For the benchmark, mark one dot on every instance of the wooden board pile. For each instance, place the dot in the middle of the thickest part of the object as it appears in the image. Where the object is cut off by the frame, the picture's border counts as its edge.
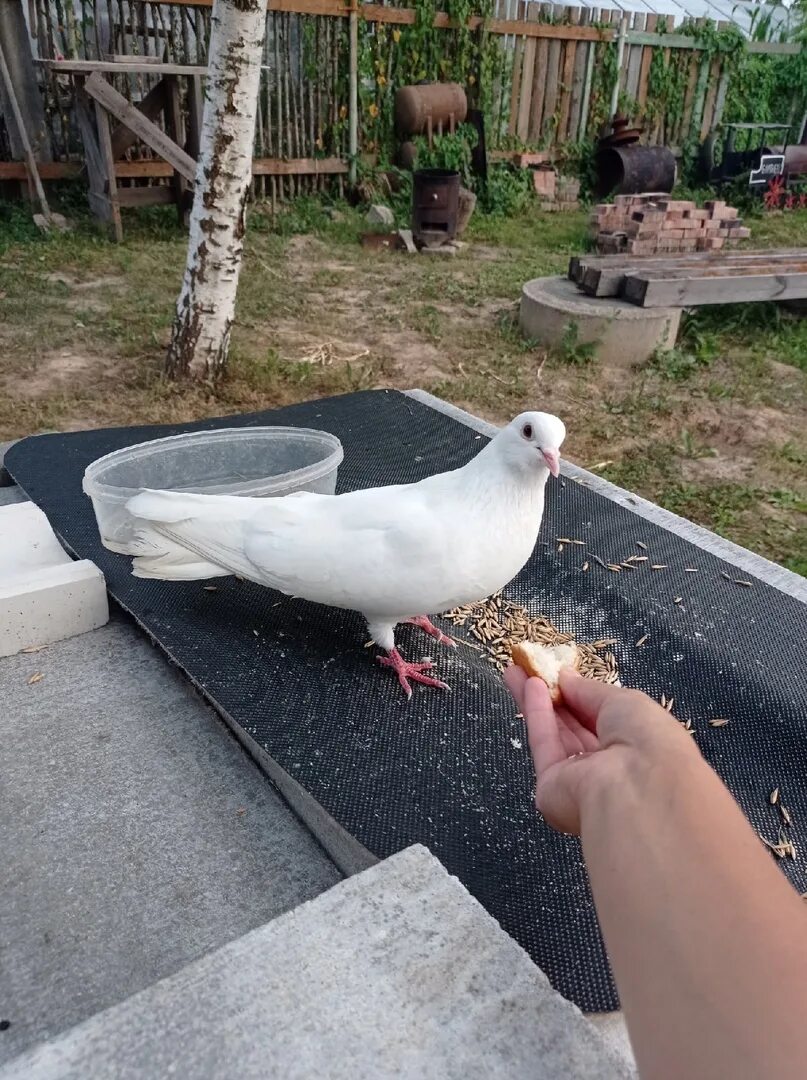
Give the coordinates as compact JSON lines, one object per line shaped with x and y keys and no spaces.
{"x":692,"y":280}
{"x":654,"y":223}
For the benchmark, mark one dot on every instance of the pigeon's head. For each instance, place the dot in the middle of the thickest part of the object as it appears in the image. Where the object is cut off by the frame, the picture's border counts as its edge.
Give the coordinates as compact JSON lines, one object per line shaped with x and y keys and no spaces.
{"x":534,"y":439}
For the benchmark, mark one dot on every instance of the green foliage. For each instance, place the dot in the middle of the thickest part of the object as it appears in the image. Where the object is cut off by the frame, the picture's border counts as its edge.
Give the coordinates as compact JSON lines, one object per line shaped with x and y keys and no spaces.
{"x":449,"y":151}
{"x":393,"y":56}
{"x":508,"y":191}
{"x":571,"y":350}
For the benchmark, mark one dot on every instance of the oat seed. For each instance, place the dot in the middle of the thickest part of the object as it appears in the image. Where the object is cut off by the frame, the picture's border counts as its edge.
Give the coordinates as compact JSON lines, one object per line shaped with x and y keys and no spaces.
{"x":642,"y":640}
{"x":719,"y":721}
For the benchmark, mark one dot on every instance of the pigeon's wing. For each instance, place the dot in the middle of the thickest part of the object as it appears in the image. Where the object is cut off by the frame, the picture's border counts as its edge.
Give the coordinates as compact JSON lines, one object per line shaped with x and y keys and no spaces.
{"x":366,"y":550}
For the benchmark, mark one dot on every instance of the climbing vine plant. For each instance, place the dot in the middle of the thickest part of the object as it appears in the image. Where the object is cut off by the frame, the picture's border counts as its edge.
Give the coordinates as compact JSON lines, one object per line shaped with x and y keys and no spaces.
{"x":394,"y":56}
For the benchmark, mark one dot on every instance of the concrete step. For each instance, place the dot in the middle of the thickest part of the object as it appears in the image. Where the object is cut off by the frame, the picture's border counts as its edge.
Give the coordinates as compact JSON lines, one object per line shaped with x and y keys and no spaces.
{"x":396,"y":972}
{"x":137,"y":834}
{"x":44,"y":595}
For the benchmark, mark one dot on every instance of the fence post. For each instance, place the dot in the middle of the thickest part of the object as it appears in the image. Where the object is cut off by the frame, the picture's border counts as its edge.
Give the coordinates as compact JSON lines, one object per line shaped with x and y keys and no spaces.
{"x":620,"y":55}
{"x":353,"y":101}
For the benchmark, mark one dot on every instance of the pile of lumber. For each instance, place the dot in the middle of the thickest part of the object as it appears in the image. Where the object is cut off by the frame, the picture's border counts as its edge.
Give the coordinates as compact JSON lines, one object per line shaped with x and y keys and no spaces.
{"x":696,"y":279}
{"x":655,"y":223}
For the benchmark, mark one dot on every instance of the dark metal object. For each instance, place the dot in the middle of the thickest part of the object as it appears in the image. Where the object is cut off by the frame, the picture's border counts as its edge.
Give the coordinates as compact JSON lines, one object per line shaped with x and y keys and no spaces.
{"x":435,"y":204}
{"x":479,"y":154}
{"x":734,"y":151}
{"x":628,"y":170}
{"x":621,"y":134}
{"x":795,"y":160}
{"x":422,"y":110}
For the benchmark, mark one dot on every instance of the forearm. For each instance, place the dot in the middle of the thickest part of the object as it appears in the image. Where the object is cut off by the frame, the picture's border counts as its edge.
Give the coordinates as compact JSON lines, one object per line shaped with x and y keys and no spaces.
{"x":707,"y":940}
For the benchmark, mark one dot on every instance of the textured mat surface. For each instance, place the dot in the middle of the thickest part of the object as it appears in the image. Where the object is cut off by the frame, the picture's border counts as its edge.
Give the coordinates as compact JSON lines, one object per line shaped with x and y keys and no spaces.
{"x":451,"y":770}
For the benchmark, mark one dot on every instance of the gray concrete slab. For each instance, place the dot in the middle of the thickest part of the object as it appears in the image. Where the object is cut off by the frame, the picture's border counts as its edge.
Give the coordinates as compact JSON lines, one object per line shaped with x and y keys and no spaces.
{"x":396,"y":972}
{"x":137,"y":835}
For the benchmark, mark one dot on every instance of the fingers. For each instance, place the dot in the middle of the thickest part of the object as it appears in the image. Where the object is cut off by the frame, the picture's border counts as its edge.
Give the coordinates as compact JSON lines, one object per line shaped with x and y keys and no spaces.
{"x":585,"y":697}
{"x":546,"y":744}
{"x":514,"y":679}
{"x":587,"y":739}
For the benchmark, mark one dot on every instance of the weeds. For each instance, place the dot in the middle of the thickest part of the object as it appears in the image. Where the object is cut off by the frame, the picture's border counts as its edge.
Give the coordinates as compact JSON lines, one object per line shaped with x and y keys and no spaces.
{"x":571,"y":350}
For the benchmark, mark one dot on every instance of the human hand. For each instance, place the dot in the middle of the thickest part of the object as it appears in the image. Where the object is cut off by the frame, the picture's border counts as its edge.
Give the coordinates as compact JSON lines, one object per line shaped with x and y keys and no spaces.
{"x":592,"y":738}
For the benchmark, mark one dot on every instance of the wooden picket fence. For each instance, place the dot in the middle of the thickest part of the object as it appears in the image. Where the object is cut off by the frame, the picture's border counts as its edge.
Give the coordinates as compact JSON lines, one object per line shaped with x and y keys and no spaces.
{"x":552,"y":96}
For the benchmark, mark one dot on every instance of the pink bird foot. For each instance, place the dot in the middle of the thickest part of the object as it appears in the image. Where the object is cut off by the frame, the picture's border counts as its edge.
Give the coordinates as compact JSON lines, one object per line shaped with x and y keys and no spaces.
{"x":406,"y":671}
{"x":428,"y":627}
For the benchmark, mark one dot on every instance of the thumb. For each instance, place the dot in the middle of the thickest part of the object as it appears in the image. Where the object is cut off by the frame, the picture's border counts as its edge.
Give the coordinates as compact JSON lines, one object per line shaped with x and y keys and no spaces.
{"x":584,"y":697}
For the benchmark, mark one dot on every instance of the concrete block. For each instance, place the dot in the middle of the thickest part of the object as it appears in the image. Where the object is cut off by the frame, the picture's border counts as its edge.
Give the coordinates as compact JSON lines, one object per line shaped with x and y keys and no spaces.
{"x":624,"y":334}
{"x":396,"y":972}
{"x":44,"y":595}
{"x":380,"y":215}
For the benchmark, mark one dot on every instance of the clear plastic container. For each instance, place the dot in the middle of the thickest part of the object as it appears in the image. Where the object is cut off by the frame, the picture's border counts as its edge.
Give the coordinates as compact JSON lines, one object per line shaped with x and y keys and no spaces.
{"x":260,"y":462}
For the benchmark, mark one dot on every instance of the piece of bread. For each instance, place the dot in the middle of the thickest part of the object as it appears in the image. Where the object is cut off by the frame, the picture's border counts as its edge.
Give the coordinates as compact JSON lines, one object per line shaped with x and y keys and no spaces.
{"x":545,"y":662}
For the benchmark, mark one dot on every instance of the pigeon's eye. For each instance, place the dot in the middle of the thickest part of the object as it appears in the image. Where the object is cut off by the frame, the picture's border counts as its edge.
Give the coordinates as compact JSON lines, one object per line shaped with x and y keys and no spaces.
{"x":526,"y":431}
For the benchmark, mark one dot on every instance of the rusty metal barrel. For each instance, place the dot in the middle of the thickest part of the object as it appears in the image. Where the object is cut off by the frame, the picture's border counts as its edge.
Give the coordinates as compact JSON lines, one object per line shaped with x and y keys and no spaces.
{"x":629,"y":170}
{"x":435,"y":204}
{"x":437,"y":103}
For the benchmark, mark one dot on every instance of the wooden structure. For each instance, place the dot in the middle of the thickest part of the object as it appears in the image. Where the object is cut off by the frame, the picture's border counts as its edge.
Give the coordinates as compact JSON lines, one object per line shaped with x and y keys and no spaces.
{"x":695,"y":280}
{"x":315,"y":117}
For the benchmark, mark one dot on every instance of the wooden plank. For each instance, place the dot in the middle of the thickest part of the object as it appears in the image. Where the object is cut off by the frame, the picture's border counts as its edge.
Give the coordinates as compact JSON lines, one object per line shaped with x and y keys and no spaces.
{"x":644,"y":67}
{"x":154,"y":195}
{"x":48,"y":170}
{"x":720,"y":100}
{"x":105,"y":145}
{"x":151,"y":106}
{"x":404,"y":16}
{"x":588,"y":77}
{"x":634,"y":62}
{"x":682,"y":129}
{"x":567,"y":78}
{"x":68,"y":170}
{"x":552,"y":83}
{"x":515,"y":79}
{"x":700,"y":97}
{"x":527,"y":78}
{"x":602,"y":281}
{"x":93,"y":158}
{"x":116,"y":104}
{"x":709,"y":102}
{"x":89,"y":67}
{"x":299,"y":167}
{"x":195,"y":112}
{"x":578,"y":77}
{"x":700,"y":290}
{"x":539,"y":82}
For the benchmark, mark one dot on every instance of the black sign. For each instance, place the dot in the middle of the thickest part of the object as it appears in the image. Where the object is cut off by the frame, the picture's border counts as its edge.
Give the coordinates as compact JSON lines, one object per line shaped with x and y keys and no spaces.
{"x":770,"y":165}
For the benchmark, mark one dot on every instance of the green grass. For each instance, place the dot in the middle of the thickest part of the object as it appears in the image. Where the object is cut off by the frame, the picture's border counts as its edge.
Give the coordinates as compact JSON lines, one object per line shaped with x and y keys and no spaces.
{"x":713,"y":430}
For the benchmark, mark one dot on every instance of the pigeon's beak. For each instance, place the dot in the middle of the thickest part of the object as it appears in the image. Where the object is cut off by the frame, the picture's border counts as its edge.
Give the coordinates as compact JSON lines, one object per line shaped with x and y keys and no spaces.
{"x":552,"y":459}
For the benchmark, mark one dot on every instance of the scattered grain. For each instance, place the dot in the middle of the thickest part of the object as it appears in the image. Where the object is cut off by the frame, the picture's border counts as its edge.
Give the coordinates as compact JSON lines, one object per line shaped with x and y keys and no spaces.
{"x":773,"y":798}
{"x":690,"y":569}
{"x":639,"y":544}
{"x":786,"y":815}
{"x":745,"y":584}
{"x":719,"y":721}
{"x":658,"y":566}
{"x":597,"y":559}
{"x":616,"y":569}
{"x":35,"y":678}
{"x":33,"y":649}
{"x":210,"y":588}
{"x":642,"y":640}
{"x":585,"y":567}
{"x":677,"y":599}
{"x":560,"y":548}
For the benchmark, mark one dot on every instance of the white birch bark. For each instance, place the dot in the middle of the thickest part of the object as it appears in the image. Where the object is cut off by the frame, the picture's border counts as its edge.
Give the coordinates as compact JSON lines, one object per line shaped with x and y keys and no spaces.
{"x":206,"y":304}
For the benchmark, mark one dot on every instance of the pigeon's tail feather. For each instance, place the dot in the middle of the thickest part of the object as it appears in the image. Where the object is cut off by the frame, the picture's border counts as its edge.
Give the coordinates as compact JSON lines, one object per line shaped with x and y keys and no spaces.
{"x":184,"y":537}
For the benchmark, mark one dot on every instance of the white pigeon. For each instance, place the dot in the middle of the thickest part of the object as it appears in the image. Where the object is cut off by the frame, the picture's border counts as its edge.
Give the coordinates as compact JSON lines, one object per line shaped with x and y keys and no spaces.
{"x":392,"y":553}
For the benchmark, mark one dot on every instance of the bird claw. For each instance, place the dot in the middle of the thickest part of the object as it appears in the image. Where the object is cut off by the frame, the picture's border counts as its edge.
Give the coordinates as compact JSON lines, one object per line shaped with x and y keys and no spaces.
{"x":406,"y":671}
{"x":427,"y":626}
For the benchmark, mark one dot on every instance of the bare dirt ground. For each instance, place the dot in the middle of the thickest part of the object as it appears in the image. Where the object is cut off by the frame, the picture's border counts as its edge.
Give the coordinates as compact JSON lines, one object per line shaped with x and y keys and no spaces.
{"x":715,"y":431}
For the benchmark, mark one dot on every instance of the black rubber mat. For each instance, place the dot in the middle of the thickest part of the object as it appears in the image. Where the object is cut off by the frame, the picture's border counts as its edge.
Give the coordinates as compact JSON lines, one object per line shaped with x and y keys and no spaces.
{"x":451,"y":770}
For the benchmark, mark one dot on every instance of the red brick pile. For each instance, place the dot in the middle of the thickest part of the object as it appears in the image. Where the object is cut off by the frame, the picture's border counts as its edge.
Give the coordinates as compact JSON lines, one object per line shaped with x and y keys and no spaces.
{"x":654,"y":223}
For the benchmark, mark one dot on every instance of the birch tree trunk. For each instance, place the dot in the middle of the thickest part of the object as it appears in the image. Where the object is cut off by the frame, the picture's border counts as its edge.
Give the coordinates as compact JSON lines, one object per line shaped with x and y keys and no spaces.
{"x":201,"y":333}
